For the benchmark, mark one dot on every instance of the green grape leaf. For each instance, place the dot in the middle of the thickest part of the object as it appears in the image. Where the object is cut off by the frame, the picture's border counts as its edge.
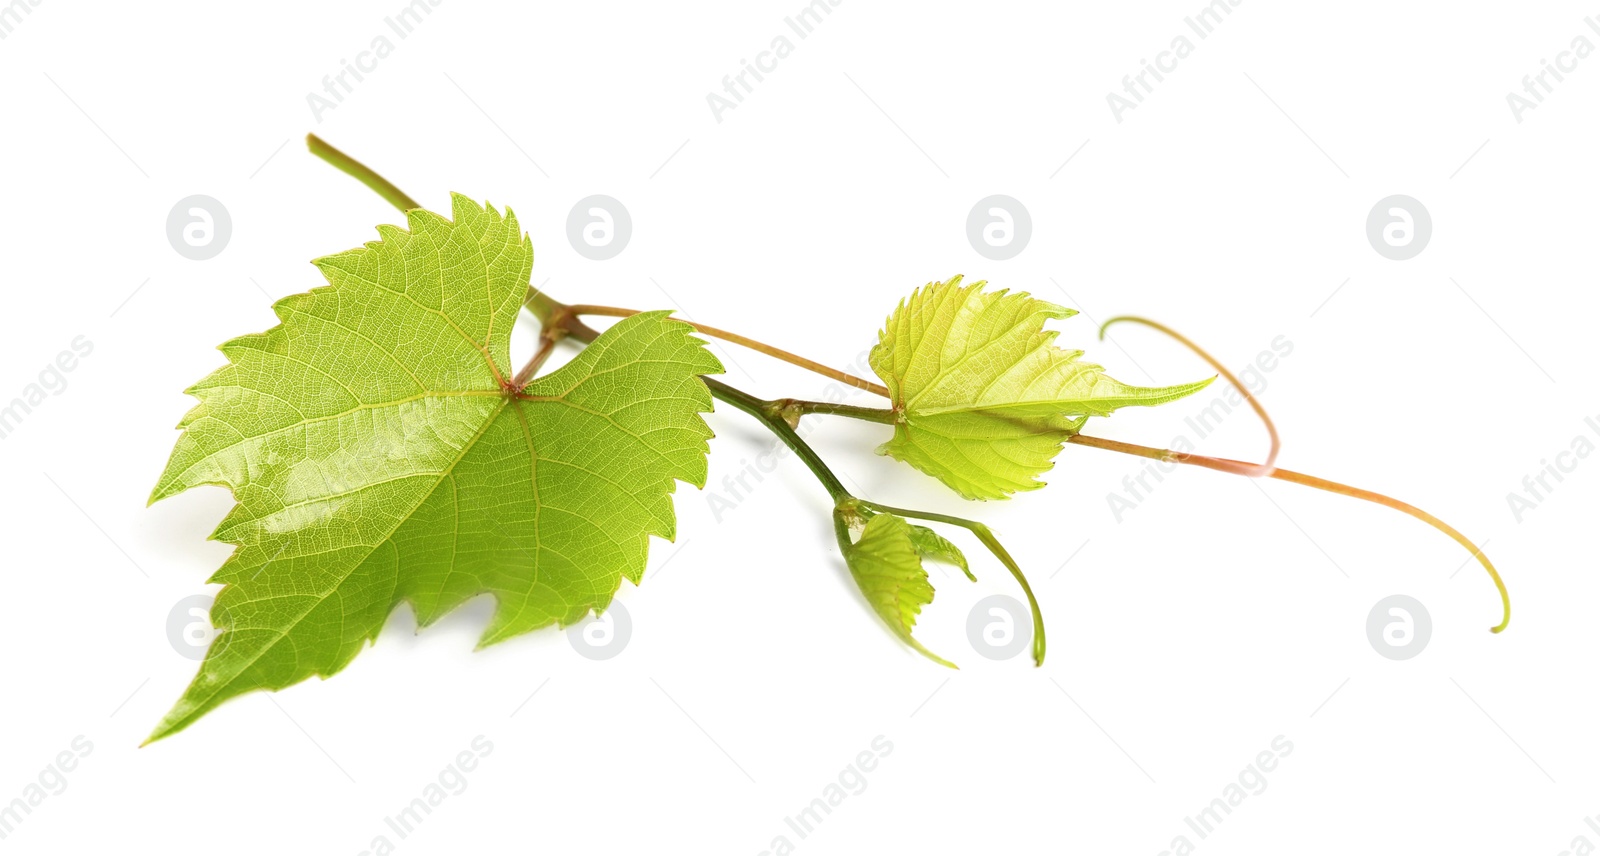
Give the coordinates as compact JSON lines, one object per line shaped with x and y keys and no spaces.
{"x":983,"y":399}
{"x":932,"y":545}
{"x":887,"y":566}
{"x":379,"y":453}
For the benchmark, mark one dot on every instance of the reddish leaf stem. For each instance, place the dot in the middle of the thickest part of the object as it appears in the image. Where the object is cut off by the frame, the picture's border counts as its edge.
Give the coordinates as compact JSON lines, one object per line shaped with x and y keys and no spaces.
{"x":752,"y":344}
{"x":1231,"y":466}
{"x":1250,"y":470}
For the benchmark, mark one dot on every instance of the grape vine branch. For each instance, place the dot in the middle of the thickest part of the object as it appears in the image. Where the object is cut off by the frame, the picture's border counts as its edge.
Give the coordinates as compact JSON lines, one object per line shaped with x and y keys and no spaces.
{"x":780,"y":416}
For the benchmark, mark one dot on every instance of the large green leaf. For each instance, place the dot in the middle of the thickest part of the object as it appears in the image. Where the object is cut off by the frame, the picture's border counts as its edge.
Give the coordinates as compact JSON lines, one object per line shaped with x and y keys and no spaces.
{"x":379,"y":452}
{"x":982,"y":397}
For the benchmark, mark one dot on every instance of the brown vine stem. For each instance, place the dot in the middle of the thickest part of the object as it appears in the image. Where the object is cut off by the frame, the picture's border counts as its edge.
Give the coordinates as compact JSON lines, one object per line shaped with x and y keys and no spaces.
{"x":547,"y":346}
{"x":1227,"y":465}
{"x":1268,"y":470}
{"x":1254,"y":471}
{"x":546,"y":308}
{"x":752,"y":344}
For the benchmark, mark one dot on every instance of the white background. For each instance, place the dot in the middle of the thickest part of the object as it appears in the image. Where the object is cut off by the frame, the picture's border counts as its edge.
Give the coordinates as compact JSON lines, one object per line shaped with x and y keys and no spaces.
{"x":1216,"y":616}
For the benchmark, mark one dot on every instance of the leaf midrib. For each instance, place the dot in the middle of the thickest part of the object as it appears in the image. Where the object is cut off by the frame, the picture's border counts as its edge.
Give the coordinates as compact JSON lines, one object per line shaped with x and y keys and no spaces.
{"x":323,"y":596}
{"x":163,"y":488}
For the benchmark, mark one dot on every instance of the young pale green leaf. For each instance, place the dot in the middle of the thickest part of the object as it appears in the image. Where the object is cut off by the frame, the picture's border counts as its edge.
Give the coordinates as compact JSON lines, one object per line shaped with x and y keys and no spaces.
{"x":379,"y":453}
{"x":932,"y":545}
{"x":982,"y":397}
{"x":886,"y":562}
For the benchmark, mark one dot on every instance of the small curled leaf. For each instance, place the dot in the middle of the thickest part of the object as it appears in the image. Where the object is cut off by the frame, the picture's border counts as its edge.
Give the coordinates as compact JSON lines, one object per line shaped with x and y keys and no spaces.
{"x":932,"y":545}
{"x":886,"y":563}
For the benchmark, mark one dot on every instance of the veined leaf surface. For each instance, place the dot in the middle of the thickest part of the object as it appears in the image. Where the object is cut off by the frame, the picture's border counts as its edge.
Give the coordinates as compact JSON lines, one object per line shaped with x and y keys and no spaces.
{"x":379,"y":452}
{"x":983,"y":399}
